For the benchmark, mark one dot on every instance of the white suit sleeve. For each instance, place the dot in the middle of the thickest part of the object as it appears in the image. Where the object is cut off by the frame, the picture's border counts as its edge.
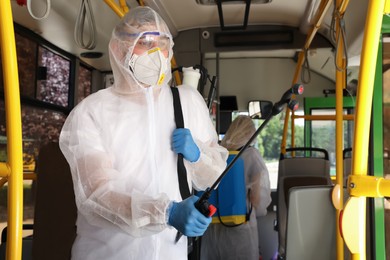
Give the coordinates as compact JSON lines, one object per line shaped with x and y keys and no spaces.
{"x":99,"y":188}
{"x":212,"y":160}
{"x":257,"y":180}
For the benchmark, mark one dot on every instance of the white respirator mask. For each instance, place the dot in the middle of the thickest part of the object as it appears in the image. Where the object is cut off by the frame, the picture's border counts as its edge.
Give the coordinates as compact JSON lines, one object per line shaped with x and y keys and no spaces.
{"x":149,"y":68}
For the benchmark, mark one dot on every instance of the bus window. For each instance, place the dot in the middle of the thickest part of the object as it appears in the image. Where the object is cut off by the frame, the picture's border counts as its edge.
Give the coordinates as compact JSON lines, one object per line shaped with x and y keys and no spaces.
{"x":44,"y":81}
{"x":53,"y":86}
{"x":39,"y":126}
{"x":27,"y":56}
{"x":320,"y":132}
{"x":84,"y":86}
{"x":322,"y":135}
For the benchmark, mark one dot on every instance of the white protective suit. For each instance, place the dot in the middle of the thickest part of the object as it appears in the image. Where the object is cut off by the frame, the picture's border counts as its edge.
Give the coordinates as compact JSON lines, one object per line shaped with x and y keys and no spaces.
{"x":241,"y":242}
{"x":118,"y":145}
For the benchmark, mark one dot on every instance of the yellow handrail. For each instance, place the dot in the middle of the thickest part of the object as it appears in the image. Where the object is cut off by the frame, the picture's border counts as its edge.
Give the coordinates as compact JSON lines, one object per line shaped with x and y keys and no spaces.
{"x":354,"y":216}
{"x":26,"y":176}
{"x":323,"y":117}
{"x":123,"y":6}
{"x":341,"y":62}
{"x":323,"y":8}
{"x":119,"y":10}
{"x":176,"y":73}
{"x":14,"y":133}
{"x":339,"y":117}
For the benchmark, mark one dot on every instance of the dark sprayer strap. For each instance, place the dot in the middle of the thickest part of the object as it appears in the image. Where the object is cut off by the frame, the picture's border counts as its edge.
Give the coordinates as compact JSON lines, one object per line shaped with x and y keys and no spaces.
{"x":181,"y":169}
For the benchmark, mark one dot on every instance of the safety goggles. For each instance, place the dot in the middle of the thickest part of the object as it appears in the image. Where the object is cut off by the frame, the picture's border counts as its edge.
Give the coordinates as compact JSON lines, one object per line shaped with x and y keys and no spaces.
{"x":149,"y":40}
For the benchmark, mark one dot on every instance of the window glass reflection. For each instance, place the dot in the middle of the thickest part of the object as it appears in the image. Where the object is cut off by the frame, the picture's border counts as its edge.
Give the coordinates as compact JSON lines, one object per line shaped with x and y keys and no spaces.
{"x":39,"y":126}
{"x":26,"y":55}
{"x":54,"y":87}
{"x":84,"y":83}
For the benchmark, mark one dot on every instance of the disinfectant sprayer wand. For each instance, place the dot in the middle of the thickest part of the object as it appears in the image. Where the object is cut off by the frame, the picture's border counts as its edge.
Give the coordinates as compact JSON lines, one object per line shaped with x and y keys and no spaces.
{"x":203,"y":204}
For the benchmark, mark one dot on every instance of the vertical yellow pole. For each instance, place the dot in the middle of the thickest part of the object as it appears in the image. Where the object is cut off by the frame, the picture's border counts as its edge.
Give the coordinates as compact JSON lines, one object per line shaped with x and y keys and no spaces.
{"x":323,"y":8}
{"x":176,"y":73}
{"x":340,"y":85}
{"x":301,"y":59}
{"x":363,"y":117}
{"x":366,"y":84}
{"x":14,"y":133}
{"x":292,"y":127}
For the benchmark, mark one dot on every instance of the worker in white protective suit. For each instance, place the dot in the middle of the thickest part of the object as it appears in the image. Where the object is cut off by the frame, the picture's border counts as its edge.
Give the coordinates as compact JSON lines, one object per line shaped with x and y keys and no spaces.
{"x":241,"y":242}
{"x":122,"y":144}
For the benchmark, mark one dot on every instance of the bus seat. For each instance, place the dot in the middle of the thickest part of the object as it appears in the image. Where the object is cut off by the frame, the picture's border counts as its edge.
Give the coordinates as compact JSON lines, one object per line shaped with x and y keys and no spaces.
{"x":310,"y":168}
{"x":26,"y":243}
{"x":55,"y":208}
{"x":311,"y":232}
{"x":347,"y":159}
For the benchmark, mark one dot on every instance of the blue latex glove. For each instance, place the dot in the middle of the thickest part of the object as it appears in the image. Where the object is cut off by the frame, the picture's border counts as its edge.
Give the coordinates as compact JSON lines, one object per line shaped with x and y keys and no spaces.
{"x":183,"y":143}
{"x":187,"y":219}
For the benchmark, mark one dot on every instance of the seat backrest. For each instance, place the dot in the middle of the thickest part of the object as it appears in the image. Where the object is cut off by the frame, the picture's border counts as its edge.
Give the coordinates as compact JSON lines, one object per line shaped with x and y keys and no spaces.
{"x":311,"y":221}
{"x":26,"y":243}
{"x":55,"y":208}
{"x":311,"y":168}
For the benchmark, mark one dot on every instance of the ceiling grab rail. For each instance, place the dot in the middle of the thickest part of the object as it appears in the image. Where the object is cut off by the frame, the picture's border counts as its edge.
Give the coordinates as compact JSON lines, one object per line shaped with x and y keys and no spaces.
{"x":85,"y":16}
{"x":44,"y":16}
{"x":13,"y":169}
{"x":353,"y":222}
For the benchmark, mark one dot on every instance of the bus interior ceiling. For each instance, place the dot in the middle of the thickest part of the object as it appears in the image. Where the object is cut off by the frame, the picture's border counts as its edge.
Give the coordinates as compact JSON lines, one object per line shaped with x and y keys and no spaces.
{"x":259,"y":69}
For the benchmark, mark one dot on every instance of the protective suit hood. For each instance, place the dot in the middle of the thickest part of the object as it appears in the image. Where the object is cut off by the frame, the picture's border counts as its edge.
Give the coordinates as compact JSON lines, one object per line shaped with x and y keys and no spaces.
{"x":239,"y":132}
{"x":123,"y":39}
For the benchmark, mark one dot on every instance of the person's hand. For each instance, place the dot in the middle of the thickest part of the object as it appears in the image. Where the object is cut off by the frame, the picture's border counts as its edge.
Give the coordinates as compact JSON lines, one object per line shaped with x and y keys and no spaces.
{"x":187,"y":219}
{"x":183,"y":143}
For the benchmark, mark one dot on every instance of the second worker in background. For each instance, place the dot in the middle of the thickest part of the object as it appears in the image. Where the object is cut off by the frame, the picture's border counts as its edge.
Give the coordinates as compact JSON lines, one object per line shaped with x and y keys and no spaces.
{"x":241,"y":242}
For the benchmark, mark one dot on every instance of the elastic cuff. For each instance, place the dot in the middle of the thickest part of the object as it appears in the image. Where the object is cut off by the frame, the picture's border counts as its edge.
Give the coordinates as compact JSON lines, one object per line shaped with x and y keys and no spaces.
{"x":168,"y":212}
